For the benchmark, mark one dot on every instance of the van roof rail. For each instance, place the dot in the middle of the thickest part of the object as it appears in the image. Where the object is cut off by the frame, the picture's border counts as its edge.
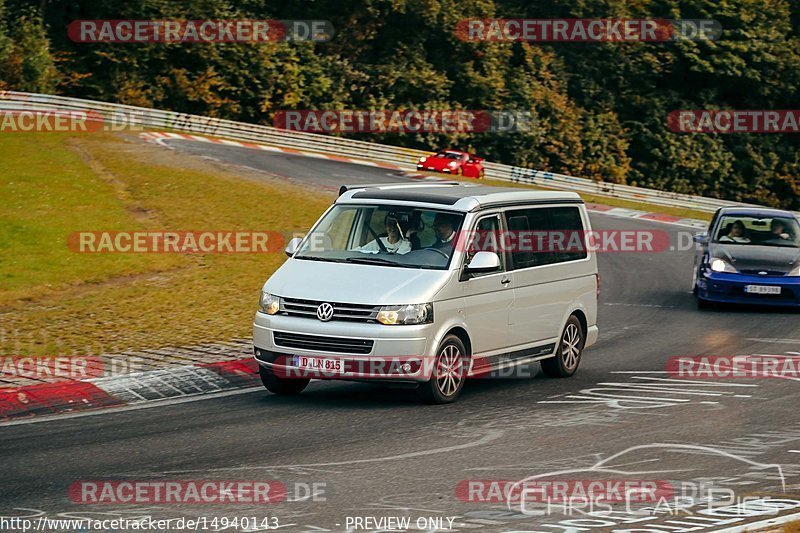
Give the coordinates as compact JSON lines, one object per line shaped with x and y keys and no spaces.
{"x":394,"y":185}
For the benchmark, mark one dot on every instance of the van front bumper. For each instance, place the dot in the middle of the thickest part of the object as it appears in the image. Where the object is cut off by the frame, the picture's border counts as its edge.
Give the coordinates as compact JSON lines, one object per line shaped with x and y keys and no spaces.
{"x":365,"y":351}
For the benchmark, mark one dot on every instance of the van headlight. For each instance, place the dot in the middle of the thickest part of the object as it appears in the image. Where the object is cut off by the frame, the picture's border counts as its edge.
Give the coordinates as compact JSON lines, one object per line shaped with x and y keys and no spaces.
{"x":269,"y":303}
{"x":795,"y":271}
{"x":720,"y":265}
{"x":405,"y":314}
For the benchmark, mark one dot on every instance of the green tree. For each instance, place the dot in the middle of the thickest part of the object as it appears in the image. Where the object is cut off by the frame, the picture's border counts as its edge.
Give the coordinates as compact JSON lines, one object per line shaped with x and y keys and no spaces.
{"x":26,"y":63}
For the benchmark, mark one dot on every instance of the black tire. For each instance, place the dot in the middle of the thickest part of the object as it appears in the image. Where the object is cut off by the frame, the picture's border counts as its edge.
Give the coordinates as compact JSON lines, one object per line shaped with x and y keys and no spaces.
{"x":568,"y":354}
{"x":282,"y":386}
{"x":704,"y":304}
{"x":447,"y":379}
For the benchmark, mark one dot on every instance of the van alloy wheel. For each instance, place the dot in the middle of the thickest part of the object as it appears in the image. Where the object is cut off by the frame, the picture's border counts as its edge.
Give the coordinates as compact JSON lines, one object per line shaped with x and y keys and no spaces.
{"x":568,"y":352}
{"x":448,"y":374}
{"x":449,"y":370}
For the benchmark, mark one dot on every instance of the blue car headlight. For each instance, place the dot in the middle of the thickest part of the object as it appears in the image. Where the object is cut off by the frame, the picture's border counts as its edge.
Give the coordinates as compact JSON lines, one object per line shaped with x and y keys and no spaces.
{"x":720,"y":265}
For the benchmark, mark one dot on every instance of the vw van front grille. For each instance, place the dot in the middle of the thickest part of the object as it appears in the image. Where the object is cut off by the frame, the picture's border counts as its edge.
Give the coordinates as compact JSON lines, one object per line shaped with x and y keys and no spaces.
{"x":321,"y":343}
{"x":341,"y":311}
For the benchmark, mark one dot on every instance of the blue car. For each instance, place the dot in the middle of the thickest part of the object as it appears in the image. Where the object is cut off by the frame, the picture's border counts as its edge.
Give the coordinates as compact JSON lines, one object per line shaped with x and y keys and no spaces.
{"x":749,"y":256}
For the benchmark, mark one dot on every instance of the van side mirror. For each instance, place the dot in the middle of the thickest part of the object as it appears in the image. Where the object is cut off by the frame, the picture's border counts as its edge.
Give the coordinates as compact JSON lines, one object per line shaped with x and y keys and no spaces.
{"x":292,"y":246}
{"x":701,"y":238}
{"x":483,"y":262}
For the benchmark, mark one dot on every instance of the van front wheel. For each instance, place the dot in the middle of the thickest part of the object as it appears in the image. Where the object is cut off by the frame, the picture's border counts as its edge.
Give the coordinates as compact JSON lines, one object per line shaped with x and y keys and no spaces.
{"x":568,"y":353}
{"x":282,"y":386}
{"x":449,"y":372}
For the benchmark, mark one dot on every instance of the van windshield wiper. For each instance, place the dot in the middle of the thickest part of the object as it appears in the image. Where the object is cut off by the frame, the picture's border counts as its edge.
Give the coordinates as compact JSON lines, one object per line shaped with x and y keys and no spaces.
{"x":316,"y":258}
{"x":372,"y":261}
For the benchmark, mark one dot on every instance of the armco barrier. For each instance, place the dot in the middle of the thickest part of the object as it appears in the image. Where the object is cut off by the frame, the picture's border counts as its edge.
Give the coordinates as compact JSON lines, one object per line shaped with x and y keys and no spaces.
{"x":332,"y":145}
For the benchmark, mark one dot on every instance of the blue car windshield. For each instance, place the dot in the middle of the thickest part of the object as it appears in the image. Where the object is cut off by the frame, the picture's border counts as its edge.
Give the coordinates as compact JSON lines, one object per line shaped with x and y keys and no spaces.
{"x":755,"y":231}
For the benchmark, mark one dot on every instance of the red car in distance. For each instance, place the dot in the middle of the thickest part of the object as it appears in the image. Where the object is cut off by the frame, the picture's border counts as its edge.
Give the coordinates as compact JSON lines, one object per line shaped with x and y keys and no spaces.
{"x":454,"y":162}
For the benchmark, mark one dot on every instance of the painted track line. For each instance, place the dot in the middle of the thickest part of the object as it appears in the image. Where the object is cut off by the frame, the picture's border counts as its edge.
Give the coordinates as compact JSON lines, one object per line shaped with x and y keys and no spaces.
{"x":761,"y":524}
{"x":133,"y":407}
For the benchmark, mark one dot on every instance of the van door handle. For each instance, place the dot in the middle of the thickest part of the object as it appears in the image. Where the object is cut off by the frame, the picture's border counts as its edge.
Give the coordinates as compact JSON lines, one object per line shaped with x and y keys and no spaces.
{"x":505,"y":281}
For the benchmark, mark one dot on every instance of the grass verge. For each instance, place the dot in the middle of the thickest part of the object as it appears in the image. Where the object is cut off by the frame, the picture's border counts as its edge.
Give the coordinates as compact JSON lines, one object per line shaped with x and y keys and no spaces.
{"x":57,"y":301}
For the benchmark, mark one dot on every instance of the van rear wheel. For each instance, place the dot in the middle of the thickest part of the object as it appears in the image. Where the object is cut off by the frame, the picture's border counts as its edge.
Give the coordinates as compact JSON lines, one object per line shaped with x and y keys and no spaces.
{"x":568,"y":353}
{"x":281,"y":386}
{"x":449,"y":372}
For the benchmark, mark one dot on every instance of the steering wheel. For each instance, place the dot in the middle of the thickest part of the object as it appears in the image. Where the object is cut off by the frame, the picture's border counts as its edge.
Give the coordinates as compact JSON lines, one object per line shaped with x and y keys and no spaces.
{"x":439,"y":251}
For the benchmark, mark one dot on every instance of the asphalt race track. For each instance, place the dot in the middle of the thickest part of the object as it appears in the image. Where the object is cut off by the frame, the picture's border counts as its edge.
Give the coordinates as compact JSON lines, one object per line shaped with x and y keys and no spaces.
{"x":377,"y":452}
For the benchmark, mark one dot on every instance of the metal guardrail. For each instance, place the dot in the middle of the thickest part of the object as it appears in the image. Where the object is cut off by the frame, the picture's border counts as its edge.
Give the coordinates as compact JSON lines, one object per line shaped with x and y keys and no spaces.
{"x":327,"y":144}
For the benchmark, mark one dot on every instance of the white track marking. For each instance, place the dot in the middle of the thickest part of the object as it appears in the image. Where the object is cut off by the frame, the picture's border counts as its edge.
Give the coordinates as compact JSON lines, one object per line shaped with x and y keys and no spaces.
{"x":762,"y":524}
{"x":489,"y":437}
{"x":134,"y":407}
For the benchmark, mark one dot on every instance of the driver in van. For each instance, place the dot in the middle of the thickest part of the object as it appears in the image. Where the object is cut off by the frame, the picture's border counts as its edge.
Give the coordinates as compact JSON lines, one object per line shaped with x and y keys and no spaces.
{"x":393,"y":242}
{"x":443,"y":226}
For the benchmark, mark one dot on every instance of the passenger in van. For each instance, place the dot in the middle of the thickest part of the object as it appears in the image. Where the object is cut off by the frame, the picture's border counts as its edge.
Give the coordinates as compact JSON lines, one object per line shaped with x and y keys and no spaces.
{"x":393,"y":242}
{"x":443,"y":226}
{"x":736,"y":233}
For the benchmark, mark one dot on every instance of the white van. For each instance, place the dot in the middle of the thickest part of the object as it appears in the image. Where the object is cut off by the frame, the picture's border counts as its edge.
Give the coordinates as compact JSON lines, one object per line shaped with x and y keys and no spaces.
{"x":431,"y":284}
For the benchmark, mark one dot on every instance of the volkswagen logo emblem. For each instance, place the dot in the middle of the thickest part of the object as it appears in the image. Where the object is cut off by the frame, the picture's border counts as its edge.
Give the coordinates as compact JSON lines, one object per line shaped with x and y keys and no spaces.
{"x":325,"y":312}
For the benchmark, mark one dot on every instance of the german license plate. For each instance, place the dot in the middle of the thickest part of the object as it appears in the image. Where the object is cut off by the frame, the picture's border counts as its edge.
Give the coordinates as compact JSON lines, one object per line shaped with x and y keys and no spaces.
{"x":762,"y":289}
{"x":317,"y":363}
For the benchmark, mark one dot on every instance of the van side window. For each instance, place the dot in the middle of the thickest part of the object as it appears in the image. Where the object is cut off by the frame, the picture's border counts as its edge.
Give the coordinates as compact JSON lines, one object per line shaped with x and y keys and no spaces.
{"x":546,"y":235}
{"x":523,"y":225}
{"x":486,"y":238}
{"x":568,"y":220}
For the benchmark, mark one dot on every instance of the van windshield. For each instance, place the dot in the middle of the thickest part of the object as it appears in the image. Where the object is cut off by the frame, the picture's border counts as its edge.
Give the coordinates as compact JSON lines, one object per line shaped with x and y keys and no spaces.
{"x":384,"y":235}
